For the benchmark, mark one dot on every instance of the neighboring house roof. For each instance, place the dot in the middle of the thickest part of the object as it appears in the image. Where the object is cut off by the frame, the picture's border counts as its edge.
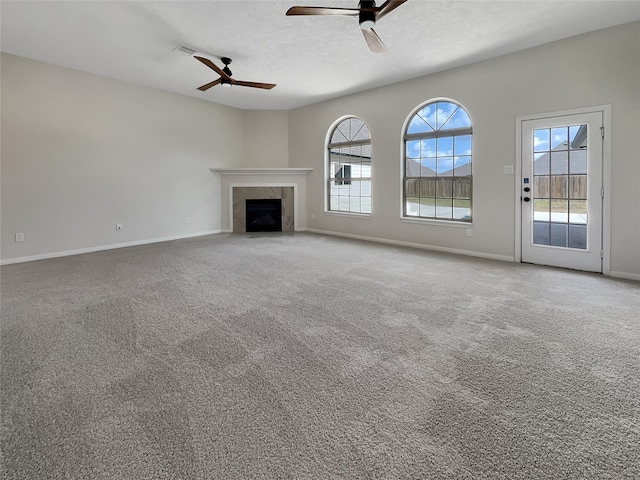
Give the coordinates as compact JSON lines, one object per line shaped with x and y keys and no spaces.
{"x":462,"y":171}
{"x":414,"y":169}
{"x":577,"y":158}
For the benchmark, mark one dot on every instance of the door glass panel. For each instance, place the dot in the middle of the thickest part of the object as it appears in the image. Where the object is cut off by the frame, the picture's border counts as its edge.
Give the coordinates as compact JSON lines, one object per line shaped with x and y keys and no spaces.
{"x":541,"y":140}
{"x":560,"y":211}
{"x":541,"y":233}
{"x":541,"y":209}
{"x":559,"y":138}
{"x":560,"y":187}
{"x":578,"y":137}
{"x":578,"y":211}
{"x":578,"y":187}
{"x":559,"y":162}
{"x":578,"y":236}
{"x":541,"y":164}
{"x":541,"y":186}
{"x":578,"y":161}
{"x":559,"y":234}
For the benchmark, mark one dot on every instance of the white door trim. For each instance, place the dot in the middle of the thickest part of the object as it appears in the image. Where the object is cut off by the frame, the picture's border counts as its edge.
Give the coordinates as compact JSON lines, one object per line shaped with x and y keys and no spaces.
{"x":606,"y":177}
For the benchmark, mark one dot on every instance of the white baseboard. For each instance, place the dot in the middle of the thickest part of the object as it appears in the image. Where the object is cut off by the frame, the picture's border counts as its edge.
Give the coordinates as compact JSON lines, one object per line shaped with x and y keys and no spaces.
{"x":79,"y":251}
{"x":226,"y":230}
{"x":625,"y":275}
{"x":504,"y":258}
{"x":491,"y":256}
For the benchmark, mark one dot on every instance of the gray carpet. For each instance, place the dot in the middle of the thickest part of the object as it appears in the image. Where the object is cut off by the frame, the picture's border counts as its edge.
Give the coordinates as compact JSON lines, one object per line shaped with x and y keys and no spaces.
{"x":305,"y":356}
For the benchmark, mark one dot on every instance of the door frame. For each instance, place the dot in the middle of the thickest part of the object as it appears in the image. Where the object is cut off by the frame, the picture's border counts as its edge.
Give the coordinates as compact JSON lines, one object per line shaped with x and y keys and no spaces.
{"x":606,"y":177}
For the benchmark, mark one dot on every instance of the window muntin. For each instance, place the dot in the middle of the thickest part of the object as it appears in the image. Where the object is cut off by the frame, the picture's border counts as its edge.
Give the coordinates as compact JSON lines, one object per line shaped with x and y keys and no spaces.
{"x":437,"y":163}
{"x":349,"y":172}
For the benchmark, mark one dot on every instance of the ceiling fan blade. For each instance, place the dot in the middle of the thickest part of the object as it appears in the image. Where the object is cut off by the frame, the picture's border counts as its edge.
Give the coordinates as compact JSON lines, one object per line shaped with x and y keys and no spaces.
{"x":266,"y":86}
{"x":373,"y":41}
{"x":212,"y":66}
{"x":387,"y":7}
{"x":206,"y":87}
{"x":322,"y":11}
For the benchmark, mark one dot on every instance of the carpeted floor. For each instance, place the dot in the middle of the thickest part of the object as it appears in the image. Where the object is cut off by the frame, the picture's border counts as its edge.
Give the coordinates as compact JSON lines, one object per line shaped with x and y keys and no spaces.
{"x":305,"y":356}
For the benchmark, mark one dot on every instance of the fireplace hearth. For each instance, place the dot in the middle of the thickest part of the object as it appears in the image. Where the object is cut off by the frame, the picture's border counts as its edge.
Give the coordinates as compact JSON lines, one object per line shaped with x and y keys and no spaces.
{"x":264,"y":215}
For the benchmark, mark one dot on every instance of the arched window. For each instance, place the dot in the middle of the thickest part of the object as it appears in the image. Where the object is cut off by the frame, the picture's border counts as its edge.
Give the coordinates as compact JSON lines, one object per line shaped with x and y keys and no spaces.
{"x":349,"y":168}
{"x":437,"y":163}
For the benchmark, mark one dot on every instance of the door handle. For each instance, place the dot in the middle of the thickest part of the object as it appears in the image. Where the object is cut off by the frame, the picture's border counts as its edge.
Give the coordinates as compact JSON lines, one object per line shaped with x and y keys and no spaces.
{"x":526,"y":199}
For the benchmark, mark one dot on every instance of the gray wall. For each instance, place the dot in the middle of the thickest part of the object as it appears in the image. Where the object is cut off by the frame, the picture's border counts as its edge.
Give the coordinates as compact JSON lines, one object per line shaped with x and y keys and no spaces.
{"x":82,"y":152}
{"x":598,"y":68}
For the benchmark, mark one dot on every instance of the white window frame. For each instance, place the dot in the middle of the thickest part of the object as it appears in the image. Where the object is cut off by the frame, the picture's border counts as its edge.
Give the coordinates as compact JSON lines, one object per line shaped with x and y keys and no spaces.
{"x":327,"y":167}
{"x":403,"y":149}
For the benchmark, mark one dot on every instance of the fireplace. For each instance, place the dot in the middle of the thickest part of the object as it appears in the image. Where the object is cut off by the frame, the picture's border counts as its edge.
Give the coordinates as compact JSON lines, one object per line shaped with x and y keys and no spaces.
{"x":240,"y":184}
{"x":263,"y":215}
{"x":240,"y":195}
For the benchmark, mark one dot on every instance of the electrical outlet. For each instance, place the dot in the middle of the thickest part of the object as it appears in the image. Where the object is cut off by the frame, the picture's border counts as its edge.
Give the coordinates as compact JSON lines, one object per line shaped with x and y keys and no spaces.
{"x":118,"y":227}
{"x":507,"y":169}
{"x":20,"y":237}
{"x":468,"y":232}
{"x":187,"y":219}
{"x":313,"y":216}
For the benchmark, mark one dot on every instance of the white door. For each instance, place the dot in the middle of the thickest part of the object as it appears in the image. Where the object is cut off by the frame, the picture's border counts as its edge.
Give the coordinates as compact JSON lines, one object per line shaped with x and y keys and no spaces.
{"x":562,"y":191}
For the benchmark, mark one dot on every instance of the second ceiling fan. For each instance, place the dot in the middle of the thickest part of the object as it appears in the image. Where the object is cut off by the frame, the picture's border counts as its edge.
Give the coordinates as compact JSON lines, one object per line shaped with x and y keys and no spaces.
{"x":225,"y":76}
{"x":367,"y":13}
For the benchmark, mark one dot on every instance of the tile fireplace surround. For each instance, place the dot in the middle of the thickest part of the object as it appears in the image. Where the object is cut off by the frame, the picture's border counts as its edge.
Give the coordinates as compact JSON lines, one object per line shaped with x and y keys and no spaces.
{"x":240,"y":184}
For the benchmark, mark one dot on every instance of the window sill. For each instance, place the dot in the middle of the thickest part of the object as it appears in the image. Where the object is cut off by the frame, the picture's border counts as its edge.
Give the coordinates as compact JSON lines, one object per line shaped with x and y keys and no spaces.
{"x":440,"y":223}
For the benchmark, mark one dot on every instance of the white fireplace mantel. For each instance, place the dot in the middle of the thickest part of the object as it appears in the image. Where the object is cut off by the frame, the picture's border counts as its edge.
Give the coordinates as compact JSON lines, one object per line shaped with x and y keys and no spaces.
{"x":262,"y":171}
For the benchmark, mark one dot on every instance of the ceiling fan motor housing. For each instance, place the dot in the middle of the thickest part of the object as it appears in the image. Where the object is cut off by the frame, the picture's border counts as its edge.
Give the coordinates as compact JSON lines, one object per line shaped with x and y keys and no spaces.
{"x":367,"y":16}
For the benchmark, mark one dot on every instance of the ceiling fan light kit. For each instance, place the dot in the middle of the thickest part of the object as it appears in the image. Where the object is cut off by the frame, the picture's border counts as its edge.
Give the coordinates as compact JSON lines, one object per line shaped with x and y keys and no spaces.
{"x":367,"y":16}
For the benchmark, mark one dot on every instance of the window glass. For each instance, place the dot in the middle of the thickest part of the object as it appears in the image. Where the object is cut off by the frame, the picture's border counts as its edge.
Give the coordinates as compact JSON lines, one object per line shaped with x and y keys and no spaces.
{"x":438,"y":162}
{"x":349,"y":172}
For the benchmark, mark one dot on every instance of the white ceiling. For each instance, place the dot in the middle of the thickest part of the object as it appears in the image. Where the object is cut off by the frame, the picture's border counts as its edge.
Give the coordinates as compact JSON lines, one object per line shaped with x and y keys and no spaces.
{"x":309,"y":58}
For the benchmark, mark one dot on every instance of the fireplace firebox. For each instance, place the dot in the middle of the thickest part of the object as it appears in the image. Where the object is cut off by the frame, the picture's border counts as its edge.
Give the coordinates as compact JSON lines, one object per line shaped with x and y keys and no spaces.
{"x":264,"y":215}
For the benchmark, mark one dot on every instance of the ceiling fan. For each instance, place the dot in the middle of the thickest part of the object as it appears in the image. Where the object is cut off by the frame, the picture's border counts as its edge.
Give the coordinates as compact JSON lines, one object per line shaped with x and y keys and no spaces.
{"x":225,"y":76}
{"x":367,"y":13}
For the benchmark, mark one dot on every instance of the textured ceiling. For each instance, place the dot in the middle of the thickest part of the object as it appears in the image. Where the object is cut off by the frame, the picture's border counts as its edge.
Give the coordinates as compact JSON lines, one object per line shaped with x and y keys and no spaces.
{"x":309,"y":58}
